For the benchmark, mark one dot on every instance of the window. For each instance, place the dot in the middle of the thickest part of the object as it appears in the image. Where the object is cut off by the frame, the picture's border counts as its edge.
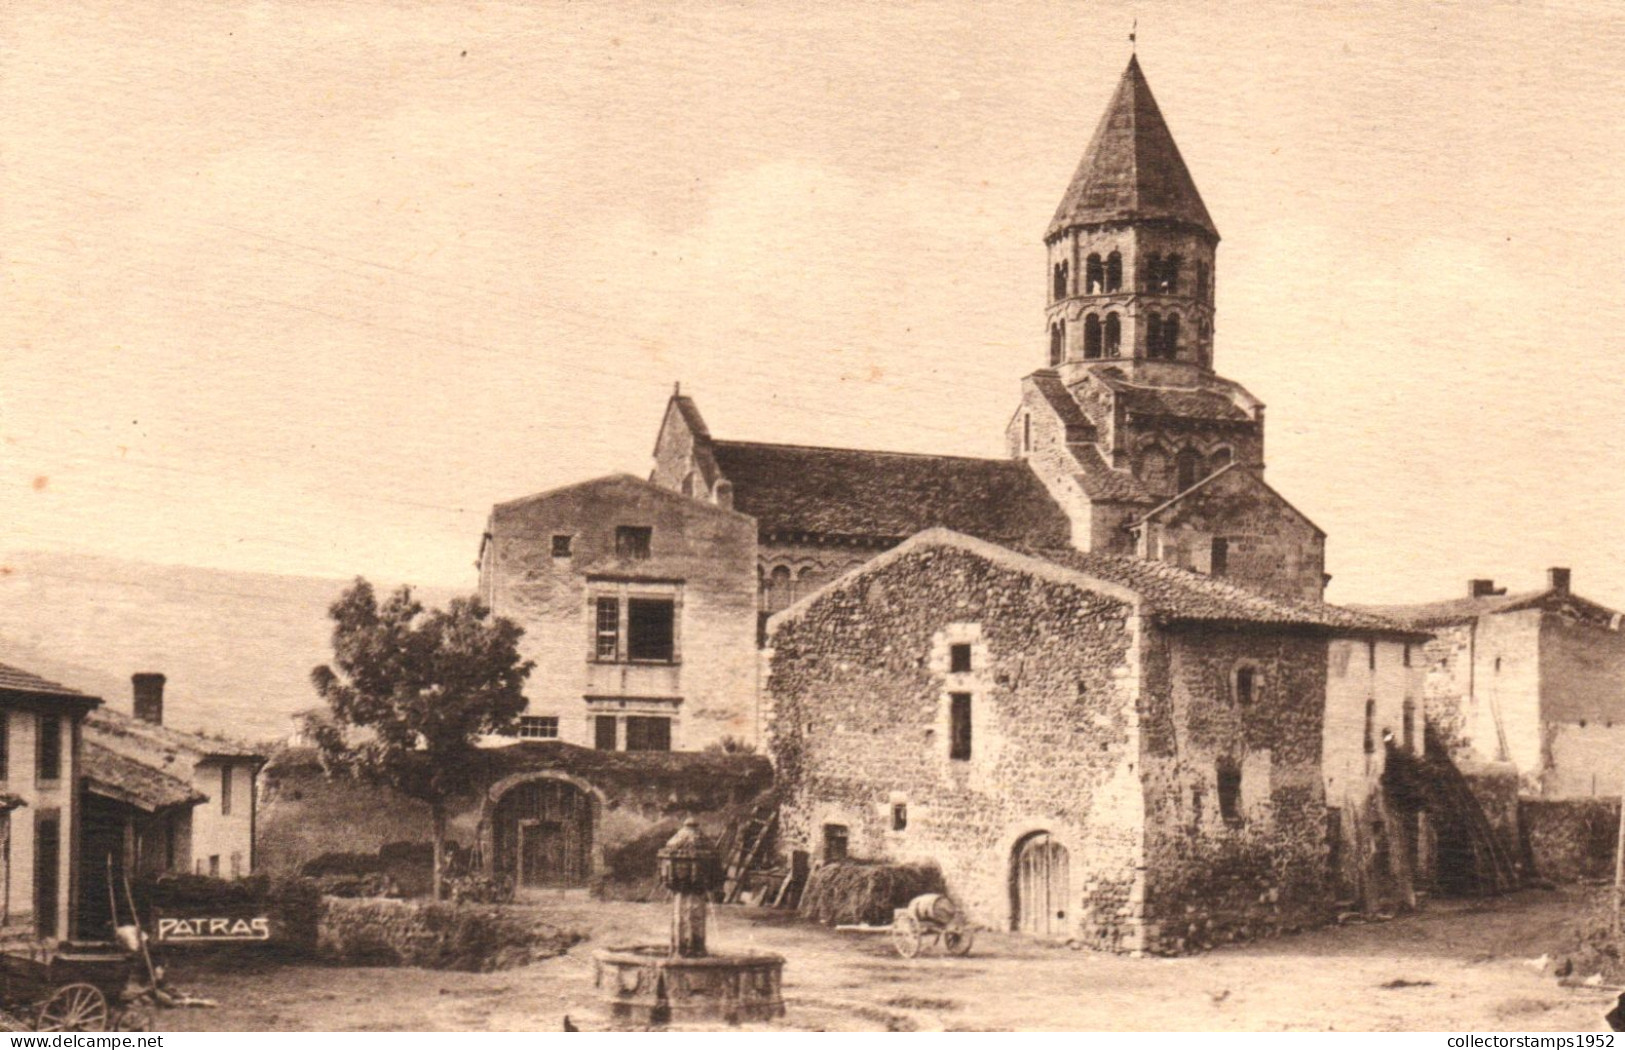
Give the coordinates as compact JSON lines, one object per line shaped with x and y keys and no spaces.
{"x":1229,"y":791}
{"x":632,"y":541}
{"x":1153,"y":335}
{"x":1219,"y":558}
{"x":648,"y":733}
{"x":214,"y":866}
{"x":835,"y":840}
{"x":236,"y":865}
{"x":1114,"y":272}
{"x":651,"y":629}
{"x":1114,"y":335}
{"x":561,"y":546}
{"x":899,"y":816}
{"x":1188,"y":468}
{"x":608,"y":629}
{"x":959,"y":658}
{"x":1170,"y":274}
{"x":1201,"y":281}
{"x":1246,"y":685}
{"x":537,"y":727}
{"x":50,"y":748}
{"x":1409,"y":724}
{"x":1371,"y":656}
{"x":1091,"y":337}
{"x":1170,"y":337}
{"x":1162,"y":337}
{"x":1153,"y":272}
{"x":225,"y":790}
{"x":1057,"y":343}
{"x":959,"y":730}
{"x":603,"y":732}
{"x":778,"y":589}
{"x":1026,"y":432}
{"x":1370,"y":726}
{"x":1407,"y":654}
{"x":1094,"y":275}
{"x":1062,"y":272}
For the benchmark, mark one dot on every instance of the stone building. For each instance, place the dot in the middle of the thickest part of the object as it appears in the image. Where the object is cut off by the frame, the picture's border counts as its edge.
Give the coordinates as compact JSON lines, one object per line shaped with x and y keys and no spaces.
{"x":1535,"y":679}
{"x":639,"y":609}
{"x":1091,"y":746}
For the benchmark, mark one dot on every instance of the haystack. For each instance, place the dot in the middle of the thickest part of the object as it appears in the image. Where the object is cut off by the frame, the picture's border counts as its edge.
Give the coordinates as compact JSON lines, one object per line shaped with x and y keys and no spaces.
{"x":855,"y":892}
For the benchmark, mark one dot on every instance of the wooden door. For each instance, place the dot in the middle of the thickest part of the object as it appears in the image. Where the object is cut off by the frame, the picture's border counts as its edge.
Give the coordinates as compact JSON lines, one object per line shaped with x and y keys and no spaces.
{"x":544,"y":834}
{"x":543,"y":850}
{"x":1042,"y":886}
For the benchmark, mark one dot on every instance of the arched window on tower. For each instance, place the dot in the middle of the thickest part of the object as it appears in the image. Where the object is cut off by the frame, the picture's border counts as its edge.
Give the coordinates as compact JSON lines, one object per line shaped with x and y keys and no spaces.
{"x":1062,"y":272}
{"x":1170,"y":274}
{"x":1202,"y":290}
{"x":1170,"y":337}
{"x":1091,"y":337}
{"x":779,"y":594}
{"x":1153,"y":336}
{"x":1057,"y":343}
{"x":1153,"y":273}
{"x":1094,"y":275}
{"x":1114,"y":335}
{"x":1187,"y":468}
{"x":1114,"y":272}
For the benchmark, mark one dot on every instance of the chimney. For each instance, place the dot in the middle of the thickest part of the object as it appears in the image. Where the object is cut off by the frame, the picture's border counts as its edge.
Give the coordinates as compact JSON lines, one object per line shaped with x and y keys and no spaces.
{"x":1480,"y":588}
{"x":1557,"y":580}
{"x":149,"y":696}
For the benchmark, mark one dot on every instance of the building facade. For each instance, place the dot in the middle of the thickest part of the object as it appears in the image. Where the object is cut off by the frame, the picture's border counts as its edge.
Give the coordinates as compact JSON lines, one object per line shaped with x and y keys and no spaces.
{"x":1094,"y":747}
{"x":639,"y":609}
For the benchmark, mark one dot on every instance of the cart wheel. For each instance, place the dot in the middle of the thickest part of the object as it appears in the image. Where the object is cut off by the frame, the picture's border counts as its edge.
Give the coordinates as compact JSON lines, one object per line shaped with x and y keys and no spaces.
{"x":905,"y":935}
{"x":74,"y":1008}
{"x":957,"y":942}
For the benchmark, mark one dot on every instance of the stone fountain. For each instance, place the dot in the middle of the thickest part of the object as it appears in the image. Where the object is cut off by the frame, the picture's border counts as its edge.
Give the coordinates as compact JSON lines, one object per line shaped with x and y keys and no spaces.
{"x":682,"y":982}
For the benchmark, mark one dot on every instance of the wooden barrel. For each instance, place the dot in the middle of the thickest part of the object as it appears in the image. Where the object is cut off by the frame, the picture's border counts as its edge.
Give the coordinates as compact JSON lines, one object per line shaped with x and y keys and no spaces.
{"x":936,"y":908}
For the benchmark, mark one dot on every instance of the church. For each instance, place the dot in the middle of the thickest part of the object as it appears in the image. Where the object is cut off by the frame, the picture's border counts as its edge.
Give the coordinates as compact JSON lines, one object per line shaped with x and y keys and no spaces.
{"x":924,"y":643}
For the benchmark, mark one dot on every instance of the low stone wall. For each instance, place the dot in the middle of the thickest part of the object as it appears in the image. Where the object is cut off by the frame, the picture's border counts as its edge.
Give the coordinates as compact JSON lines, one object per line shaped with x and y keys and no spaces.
{"x":1570,"y":839}
{"x":1495,"y":785}
{"x":468,"y":937}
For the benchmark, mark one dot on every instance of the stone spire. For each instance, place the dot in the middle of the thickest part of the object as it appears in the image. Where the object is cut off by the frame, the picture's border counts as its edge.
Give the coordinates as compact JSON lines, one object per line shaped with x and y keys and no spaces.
{"x":1132,"y":170}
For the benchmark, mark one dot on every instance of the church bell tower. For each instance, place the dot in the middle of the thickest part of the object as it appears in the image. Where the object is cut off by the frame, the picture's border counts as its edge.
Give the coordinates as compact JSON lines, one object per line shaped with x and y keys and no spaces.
{"x":1130,"y":252}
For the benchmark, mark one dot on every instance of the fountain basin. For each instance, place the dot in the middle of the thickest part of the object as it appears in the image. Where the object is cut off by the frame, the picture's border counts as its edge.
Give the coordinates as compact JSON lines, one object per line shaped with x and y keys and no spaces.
{"x":648,"y":985}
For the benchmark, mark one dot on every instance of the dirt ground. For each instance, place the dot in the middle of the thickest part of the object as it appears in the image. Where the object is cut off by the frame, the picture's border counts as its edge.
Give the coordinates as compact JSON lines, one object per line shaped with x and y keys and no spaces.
{"x":1454,"y":967}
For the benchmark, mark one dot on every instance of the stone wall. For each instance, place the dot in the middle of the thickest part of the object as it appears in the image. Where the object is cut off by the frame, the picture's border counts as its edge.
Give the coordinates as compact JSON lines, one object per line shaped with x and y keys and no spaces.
{"x":1213,"y":875}
{"x":861,"y":683}
{"x":702,"y":557}
{"x":1446,"y":661}
{"x":1570,"y":839}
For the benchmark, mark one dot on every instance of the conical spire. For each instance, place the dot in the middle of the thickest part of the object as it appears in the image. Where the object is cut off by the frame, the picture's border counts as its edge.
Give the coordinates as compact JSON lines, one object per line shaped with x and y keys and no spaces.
{"x":1132,"y":170}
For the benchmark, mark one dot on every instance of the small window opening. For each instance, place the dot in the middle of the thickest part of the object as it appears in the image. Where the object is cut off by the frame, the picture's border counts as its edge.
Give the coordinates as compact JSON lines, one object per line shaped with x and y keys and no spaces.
{"x":603,"y":732}
{"x":1219,"y":558}
{"x":1114,"y":272}
{"x":1370,"y":726}
{"x":1114,"y":335}
{"x":1094,"y":275}
{"x":1229,"y":776}
{"x":1371,"y":656}
{"x":50,"y":748}
{"x":1188,"y":468}
{"x":1246,"y":685}
{"x":1058,"y":290}
{"x":1091,"y":337}
{"x":1153,"y":272}
{"x":899,"y":816}
{"x":959,"y":658}
{"x":1408,"y":725}
{"x":1057,"y":343}
{"x":959,"y":730}
{"x":633,"y":541}
{"x":561,"y":546}
{"x":835,"y":842}
{"x":537,"y":727}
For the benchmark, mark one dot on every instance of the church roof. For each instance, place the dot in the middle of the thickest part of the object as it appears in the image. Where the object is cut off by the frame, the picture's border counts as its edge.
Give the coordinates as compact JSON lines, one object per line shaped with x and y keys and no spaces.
{"x":1132,"y":170}
{"x":1102,"y":482}
{"x":889,"y":495}
{"x":1208,"y":399}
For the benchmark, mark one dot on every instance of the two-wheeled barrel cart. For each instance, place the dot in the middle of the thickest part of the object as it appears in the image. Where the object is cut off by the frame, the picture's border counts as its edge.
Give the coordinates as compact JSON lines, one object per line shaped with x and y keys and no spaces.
{"x":933,"y":918}
{"x":66,"y":986}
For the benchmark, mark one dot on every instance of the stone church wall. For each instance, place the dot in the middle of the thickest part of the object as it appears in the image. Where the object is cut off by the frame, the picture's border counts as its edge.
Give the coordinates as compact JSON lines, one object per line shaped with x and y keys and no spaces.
{"x":860,"y":686}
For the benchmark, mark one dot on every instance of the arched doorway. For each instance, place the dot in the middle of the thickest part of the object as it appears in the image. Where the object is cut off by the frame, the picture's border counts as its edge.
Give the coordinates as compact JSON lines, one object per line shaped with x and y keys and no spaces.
{"x":1040,"y":886}
{"x":542,"y":834}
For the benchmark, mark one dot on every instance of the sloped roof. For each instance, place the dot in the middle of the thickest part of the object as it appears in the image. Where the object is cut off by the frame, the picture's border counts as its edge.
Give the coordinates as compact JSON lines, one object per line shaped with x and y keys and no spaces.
{"x":130,"y":736}
{"x":1225,"y":471}
{"x":17,"y":680}
{"x":1210,"y":398}
{"x":1101,"y":481}
{"x":1048,"y":382}
{"x":1466,"y":610}
{"x":1132,"y":169}
{"x":1177,"y":594}
{"x":890,"y":495}
{"x":115,"y":776}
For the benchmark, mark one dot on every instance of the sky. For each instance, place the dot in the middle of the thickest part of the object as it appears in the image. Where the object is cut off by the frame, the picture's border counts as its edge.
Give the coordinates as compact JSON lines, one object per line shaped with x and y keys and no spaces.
{"x":306,"y":287}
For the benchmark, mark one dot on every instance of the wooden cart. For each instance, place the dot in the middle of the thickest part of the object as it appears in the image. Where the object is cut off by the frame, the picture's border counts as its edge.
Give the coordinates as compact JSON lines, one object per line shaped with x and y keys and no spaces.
{"x":72,"y":986}
{"x":932,"y":917}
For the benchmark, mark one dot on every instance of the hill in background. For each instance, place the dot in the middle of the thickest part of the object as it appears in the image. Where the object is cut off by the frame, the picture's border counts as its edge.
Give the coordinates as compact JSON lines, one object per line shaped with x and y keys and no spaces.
{"x":237,"y":647}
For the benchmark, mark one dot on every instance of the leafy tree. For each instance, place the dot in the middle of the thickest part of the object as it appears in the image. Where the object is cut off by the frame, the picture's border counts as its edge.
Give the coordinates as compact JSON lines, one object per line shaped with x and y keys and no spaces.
{"x":411,"y":691}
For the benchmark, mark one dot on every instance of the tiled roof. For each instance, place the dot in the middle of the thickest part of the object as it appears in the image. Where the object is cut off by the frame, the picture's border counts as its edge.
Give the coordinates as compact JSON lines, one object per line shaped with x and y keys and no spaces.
{"x":1211,"y":400}
{"x":16,"y":680}
{"x":1181,"y":595}
{"x":890,"y":495}
{"x":1048,"y":382}
{"x":1132,"y":169}
{"x":115,"y":776}
{"x":130,"y":735}
{"x":1465,"y":610}
{"x":1101,"y":482}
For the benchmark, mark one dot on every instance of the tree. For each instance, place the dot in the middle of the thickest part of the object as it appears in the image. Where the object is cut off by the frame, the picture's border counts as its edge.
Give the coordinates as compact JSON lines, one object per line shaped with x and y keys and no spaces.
{"x":411,"y":691}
